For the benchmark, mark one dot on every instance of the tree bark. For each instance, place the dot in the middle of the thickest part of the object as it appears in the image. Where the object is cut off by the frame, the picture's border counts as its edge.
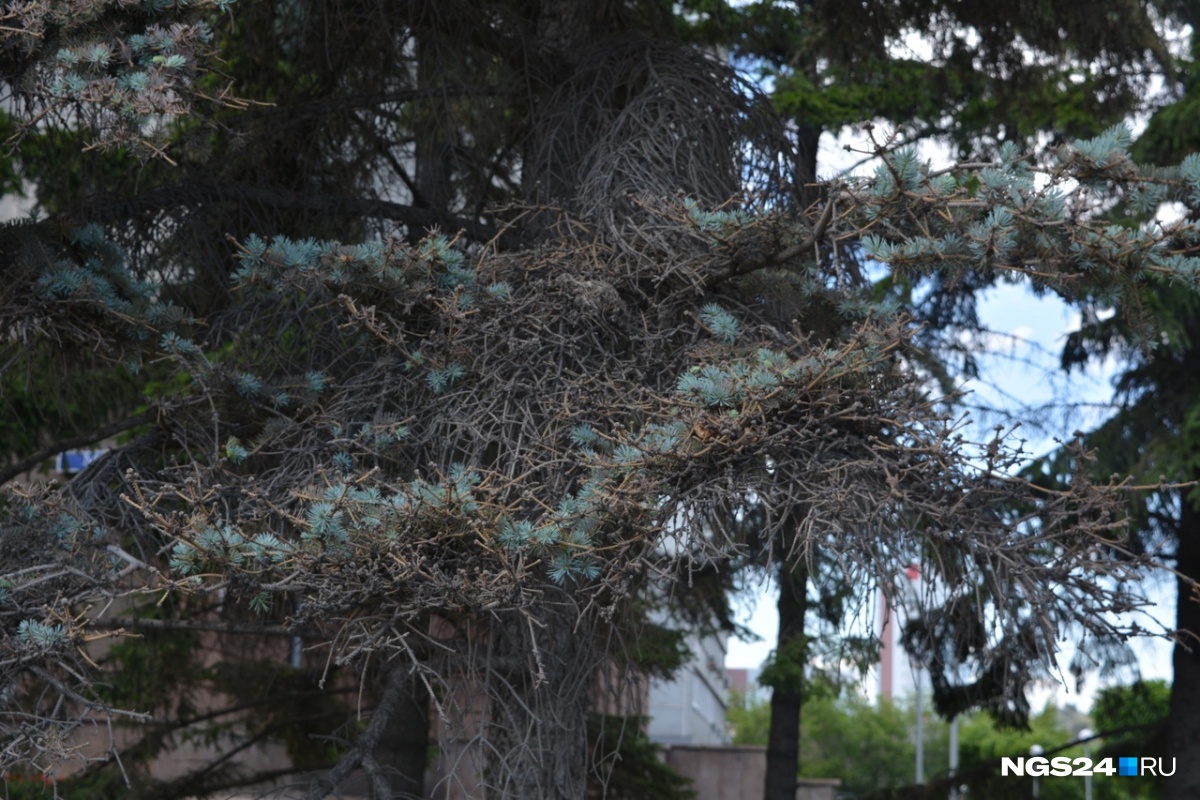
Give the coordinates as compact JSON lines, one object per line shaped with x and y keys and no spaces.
{"x":1183,"y":725}
{"x":783,"y":738}
{"x":403,"y":749}
{"x":565,"y":26}
{"x":393,"y":693}
{"x":808,"y":140}
{"x":433,"y":135}
{"x":537,"y":723}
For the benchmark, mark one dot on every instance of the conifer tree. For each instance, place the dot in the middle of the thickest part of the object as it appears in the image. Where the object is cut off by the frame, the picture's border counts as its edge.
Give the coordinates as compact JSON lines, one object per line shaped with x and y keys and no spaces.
{"x":474,"y":454}
{"x":1151,"y":435}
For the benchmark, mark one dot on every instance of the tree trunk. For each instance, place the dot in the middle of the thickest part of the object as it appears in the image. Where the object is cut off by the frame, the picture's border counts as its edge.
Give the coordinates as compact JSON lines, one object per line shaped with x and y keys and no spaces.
{"x":538,"y":706}
{"x":403,"y":750}
{"x":1183,"y":726}
{"x":808,"y":140}
{"x":565,"y":26}
{"x":432,"y":134}
{"x":791,"y":650}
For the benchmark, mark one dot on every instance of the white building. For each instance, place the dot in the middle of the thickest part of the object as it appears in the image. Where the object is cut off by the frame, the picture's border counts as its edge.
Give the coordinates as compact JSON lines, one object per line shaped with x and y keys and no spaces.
{"x":691,"y":708}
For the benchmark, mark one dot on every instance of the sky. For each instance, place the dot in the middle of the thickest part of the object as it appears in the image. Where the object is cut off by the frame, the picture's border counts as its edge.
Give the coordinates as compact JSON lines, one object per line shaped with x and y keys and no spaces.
{"x":1021,"y":374}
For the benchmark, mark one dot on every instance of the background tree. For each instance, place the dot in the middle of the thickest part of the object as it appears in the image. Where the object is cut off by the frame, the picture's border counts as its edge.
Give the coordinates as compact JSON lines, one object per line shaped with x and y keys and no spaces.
{"x":995,"y":73}
{"x":870,"y":748}
{"x":1152,"y":430}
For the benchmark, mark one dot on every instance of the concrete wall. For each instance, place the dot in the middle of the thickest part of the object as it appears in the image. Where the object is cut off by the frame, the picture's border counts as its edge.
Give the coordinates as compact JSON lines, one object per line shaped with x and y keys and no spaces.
{"x":734,"y":773}
{"x":817,"y":789}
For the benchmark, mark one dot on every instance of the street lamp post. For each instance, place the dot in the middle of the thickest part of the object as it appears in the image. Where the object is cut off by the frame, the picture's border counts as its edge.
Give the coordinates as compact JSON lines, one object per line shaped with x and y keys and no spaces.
{"x":954,"y":758}
{"x":1086,"y":734}
{"x":913,"y":573}
{"x":920,"y":726}
{"x":1036,"y":750}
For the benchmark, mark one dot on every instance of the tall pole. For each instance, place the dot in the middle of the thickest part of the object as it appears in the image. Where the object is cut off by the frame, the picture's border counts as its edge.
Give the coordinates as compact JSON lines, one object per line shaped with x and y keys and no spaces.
{"x":920,"y":729}
{"x":954,"y":759}
{"x":913,"y":573}
{"x":1086,"y":734}
{"x":887,"y":648}
{"x":1035,"y":750}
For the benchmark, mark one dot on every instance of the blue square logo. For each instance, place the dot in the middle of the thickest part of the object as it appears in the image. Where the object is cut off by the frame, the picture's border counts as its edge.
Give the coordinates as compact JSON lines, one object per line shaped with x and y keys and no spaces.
{"x":1127,"y":766}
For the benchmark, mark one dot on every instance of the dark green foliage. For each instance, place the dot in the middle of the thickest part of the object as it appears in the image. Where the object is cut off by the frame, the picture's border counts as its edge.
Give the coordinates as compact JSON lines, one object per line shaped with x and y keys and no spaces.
{"x":1133,"y":719}
{"x":152,"y":670}
{"x":41,"y":404}
{"x":1131,"y":712}
{"x":231,"y":705}
{"x":1171,"y":133}
{"x":998,"y":72}
{"x":79,"y":324}
{"x":870,"y":746}
{"x":508,"y":432}
{"x":660,"y":651}
{"x":786,"y":667}
{"x":631,"y":769}
{"x":286,"y":705}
